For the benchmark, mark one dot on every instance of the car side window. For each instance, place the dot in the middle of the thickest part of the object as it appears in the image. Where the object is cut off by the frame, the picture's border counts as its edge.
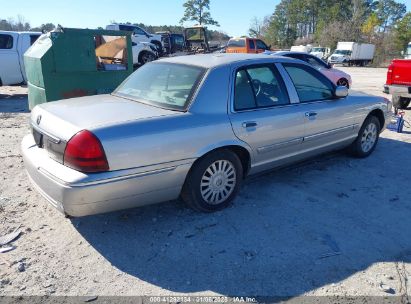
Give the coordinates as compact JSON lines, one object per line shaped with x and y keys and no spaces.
{"x":139,"y":31}
{"x":261,"y":45}
{"x":6,"y":41}
{"x":259,"y":87}
{"x":251,"y":44}
{"x":310,"y":84}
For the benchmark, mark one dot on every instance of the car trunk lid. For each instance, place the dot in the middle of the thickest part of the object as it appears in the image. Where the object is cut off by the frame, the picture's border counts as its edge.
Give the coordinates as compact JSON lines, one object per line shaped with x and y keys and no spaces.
{"x":54,"y":124}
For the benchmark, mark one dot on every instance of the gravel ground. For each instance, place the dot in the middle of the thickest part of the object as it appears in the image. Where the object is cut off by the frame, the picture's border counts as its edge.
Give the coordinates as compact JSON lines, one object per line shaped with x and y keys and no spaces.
{"x":331,"y":226}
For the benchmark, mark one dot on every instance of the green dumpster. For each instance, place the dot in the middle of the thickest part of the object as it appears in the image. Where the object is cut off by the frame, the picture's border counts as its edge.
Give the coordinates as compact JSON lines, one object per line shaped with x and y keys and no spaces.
{"x":71,"y":62}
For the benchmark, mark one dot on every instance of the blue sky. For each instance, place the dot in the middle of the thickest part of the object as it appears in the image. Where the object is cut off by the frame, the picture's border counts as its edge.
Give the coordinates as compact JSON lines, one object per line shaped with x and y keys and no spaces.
{"x":234,"y":16}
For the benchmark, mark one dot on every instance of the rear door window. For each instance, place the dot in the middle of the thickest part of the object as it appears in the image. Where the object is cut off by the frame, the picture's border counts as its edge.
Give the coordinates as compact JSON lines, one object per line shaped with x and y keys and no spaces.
{"x":310,"y":84}
{"x":6,"y":42}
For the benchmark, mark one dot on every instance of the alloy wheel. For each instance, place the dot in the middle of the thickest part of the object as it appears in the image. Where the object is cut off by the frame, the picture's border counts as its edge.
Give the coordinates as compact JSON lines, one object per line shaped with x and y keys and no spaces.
{"x":218,"y":182}
{"x":369,"y":137}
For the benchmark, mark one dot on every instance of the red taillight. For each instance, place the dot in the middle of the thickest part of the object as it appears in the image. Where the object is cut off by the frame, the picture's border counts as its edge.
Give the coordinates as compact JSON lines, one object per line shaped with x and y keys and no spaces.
{"x":389,"y":74}
{"x":85,"y":153}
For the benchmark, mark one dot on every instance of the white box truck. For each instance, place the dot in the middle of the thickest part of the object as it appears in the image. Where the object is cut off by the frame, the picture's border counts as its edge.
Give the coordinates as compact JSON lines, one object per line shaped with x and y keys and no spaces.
{"x":407,"y":53}
{"x":301,"y":48}
{"x":13,"y":45}
{"x":352,"y":53}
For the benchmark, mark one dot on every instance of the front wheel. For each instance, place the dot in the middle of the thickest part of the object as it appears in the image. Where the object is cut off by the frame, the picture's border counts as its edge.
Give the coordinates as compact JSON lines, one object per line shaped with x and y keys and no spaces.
{"x":146,"y":57}
{"x":213,"y":182}
{"x":367,"y":138}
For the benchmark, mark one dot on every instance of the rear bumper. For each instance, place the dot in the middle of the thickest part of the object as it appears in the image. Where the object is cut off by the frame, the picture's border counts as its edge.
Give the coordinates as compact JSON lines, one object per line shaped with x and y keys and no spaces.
{"x":398,"y":90}
{"x":78,"y":194}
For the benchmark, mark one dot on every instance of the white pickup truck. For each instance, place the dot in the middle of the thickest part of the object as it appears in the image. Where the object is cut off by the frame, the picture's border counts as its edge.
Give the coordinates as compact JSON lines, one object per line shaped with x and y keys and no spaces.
{"x":13,"y":45}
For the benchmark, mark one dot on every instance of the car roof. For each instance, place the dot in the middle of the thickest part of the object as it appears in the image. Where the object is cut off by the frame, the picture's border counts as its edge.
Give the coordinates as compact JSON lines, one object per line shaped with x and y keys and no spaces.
{"x":220,"y":59}
{"x":282,"y":53}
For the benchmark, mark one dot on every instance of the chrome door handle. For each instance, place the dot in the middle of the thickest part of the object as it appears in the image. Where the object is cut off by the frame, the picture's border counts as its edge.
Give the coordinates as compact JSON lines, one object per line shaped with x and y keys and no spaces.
{"x":249,"y":124}
{"x":310,"y":114}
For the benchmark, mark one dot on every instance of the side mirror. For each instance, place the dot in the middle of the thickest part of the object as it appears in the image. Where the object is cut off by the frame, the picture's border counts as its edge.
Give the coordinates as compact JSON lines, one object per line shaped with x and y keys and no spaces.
{"x":269,"y":48}
{"x":330,"y":66}
{"x":341,"y":92}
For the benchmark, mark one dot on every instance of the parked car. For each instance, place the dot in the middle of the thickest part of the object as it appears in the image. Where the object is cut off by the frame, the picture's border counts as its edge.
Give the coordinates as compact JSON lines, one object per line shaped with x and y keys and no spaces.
{"x":399,"y":83}
{"x":246,"y":45}
{"x":338,"y":77}
{"x":139,"y":35}
{"x":321,"y":52}
{"x":13,"y":45}
{"x":195,"y":127}
{"x":352,"y":53}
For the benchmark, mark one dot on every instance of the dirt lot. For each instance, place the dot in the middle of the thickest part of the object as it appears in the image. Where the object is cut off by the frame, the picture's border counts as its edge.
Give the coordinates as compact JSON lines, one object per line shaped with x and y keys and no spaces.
{"x":331,"y":226}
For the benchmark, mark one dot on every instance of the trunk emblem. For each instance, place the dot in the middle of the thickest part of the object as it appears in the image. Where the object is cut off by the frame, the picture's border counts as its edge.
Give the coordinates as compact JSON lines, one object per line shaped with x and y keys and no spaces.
{"x":38,"y":119}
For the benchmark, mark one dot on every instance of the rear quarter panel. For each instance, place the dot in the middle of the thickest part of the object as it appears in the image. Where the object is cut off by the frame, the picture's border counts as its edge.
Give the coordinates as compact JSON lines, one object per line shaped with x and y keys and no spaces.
{"x":362,"y":105}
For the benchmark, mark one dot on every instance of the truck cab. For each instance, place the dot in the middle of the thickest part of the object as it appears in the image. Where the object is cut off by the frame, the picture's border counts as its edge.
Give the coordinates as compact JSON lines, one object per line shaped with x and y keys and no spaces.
{"x":246,"y":45}
{"x":320,"y":52}
{"x":13,"y":45}
{"x":139,"y":35}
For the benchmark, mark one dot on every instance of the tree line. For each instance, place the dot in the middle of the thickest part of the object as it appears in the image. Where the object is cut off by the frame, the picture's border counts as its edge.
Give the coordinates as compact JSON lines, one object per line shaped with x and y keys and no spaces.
{"x":384,"y":23}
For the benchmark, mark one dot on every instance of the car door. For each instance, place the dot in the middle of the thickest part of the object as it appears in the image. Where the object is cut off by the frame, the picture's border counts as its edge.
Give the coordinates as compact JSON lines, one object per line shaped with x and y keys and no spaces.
{"x":10,"y":72}
{"x":328,"y":120}
{"x":264,"y":116}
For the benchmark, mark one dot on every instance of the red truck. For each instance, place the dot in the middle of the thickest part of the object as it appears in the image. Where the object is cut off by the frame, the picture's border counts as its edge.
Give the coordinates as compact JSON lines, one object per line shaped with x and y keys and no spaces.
{"x":399,"y":83}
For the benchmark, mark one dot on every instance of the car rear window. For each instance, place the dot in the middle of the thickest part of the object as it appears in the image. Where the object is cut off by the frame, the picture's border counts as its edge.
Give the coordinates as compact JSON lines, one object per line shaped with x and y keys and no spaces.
{"x":236,"y":43}
{"x":165,"y":85}
{"x":6,"y":41}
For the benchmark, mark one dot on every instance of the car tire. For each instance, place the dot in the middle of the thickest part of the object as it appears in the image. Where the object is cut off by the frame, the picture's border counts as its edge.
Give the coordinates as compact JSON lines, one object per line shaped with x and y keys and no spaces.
{"x":367,"y":138}
{"x":146,"y":57}
{"x":213,"y":181}
{"x":400,"y":102}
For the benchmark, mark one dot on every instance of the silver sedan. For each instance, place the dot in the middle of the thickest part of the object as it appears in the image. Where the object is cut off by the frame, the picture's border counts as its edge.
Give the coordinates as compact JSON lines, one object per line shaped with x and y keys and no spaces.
{"x":192,"y":127}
